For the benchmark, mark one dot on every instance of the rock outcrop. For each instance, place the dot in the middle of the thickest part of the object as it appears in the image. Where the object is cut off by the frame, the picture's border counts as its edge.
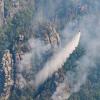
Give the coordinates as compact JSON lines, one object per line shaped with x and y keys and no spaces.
{"x":7,"y":63}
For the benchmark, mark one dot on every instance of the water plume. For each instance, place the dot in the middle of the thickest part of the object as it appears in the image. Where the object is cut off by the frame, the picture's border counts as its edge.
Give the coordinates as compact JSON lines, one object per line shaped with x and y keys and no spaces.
{"x":57,"y":61}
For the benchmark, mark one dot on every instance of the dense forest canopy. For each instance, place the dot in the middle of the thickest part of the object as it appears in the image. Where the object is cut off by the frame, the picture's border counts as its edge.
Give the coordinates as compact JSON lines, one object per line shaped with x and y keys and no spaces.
{"x":35,"y":19}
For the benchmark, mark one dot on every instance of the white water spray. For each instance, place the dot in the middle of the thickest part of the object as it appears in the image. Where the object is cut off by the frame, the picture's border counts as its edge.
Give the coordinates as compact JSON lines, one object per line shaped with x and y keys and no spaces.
{"x":57,"y":61}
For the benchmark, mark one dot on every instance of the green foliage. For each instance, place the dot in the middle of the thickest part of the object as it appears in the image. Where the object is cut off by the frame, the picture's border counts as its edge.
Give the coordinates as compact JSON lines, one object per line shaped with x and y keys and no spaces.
{"x":21,"y":22}
{"x":75,"y":56}
{"x":91,"y":89}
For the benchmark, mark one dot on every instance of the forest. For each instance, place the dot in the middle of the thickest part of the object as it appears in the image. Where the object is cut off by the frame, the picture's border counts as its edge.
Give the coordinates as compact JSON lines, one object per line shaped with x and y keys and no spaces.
{"x":27,"y":19}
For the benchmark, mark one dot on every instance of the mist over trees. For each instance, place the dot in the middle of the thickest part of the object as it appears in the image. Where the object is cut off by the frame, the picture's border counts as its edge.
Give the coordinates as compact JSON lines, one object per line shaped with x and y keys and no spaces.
{"x":27,"y":19}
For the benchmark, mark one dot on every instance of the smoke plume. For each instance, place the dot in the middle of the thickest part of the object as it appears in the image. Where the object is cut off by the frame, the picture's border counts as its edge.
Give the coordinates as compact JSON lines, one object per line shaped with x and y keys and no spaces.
{"x":88,"y":24}
{"x":31,"y":61}
{"x":90,"y":41}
